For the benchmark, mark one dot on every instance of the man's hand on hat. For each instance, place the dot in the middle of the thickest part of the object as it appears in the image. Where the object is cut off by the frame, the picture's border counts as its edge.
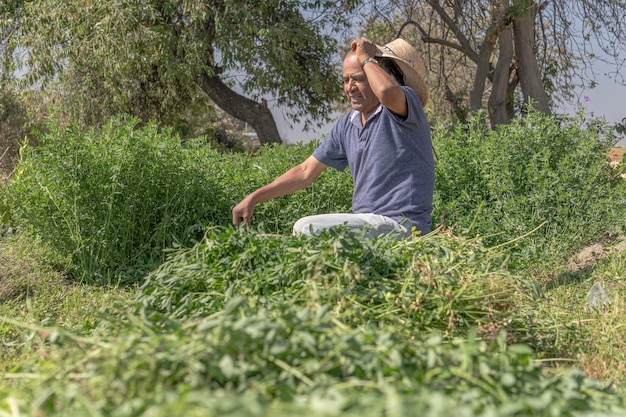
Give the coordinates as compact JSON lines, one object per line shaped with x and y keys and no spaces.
{"x":363,"y":48}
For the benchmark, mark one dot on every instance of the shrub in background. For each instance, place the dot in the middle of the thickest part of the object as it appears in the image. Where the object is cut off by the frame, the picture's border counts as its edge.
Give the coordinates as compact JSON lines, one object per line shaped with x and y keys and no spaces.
{"x":113,"y":199}
{"x":537,"y":172}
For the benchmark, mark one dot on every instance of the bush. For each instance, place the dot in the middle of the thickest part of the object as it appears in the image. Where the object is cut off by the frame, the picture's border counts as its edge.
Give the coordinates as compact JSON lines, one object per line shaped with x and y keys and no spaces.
{"x":113,"y":199}
{"x":539,"y":172}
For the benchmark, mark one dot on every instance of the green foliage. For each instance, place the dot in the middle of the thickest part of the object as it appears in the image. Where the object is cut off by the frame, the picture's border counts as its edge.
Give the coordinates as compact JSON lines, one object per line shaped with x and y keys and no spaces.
{"x":114,"y":199}
{"x":421,"y":283}
{"x":331,"y":193}
{"x":145,"y":58}
{"x":243,"y":324}
{"x":318,"y":338}
{"x":540,"y":173}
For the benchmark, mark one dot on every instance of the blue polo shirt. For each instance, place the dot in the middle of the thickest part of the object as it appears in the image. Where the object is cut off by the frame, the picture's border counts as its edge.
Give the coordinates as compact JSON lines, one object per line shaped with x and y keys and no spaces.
{"x":390,"y":159}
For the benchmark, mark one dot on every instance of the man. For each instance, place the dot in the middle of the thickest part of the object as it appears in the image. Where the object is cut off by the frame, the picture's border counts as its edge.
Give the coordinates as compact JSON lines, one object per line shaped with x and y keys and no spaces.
{"x":385,"y":140}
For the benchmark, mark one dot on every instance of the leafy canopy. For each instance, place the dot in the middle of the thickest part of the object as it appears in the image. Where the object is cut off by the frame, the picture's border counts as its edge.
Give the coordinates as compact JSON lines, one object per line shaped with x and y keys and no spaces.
{"x":144,"y":56}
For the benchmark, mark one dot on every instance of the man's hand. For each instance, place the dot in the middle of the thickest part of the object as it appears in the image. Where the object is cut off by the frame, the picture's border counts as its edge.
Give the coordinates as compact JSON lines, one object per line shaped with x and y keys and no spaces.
{"x":363,"y":48}
{"x":385,"y":86}
{"x":243,"y":213}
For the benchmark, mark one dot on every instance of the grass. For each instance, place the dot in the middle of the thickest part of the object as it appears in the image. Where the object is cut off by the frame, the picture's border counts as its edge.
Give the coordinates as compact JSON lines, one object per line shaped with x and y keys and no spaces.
{"x":593,"y":338}
{"x":35,"y":290}
{"x":298,"y":324}
{"x":48,"y":320}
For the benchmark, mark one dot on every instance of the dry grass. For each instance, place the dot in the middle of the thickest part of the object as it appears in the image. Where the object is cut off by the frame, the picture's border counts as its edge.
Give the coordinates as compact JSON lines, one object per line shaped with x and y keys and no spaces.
{"x":616,"y":156}
{"x":601,"y":349}
{"x":617,"y":153}
{"x":9,"y":156}
{"x":605,"y":356}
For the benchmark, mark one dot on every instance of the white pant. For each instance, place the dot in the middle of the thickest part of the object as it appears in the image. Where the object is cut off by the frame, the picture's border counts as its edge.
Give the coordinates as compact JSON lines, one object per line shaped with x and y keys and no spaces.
{"x":373,"y":225}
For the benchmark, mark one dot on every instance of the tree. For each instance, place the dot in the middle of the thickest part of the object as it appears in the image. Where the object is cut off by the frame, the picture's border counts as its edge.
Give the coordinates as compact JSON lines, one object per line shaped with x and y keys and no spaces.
{"x":152,"y":58}
{"x":539,"y":50}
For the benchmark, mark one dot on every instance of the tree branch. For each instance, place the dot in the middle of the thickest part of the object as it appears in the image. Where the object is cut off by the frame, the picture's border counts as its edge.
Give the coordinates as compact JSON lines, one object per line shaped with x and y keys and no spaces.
{"x":466,"y":47}
{"x":437,"y":41}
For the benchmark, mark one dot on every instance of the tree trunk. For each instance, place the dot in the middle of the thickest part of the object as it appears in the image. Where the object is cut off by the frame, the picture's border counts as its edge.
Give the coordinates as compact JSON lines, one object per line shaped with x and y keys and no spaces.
{"x":459,"y":111}
{"x":482,"y":71}
{"x":242,"y":108}
{"x":500,"y":105}
{"x":527,"y":66}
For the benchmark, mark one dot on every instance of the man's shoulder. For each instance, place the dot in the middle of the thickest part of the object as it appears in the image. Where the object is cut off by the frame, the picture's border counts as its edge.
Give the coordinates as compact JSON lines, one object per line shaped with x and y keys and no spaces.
{"x":411,"y":95}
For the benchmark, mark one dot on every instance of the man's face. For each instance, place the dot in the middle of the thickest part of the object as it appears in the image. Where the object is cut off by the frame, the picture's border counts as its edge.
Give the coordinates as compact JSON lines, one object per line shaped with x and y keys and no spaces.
{"x":356,"y":86}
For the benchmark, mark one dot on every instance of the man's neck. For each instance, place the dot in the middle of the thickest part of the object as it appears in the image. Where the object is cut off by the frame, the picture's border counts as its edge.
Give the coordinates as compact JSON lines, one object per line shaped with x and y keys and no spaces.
{"x":366,"y":116}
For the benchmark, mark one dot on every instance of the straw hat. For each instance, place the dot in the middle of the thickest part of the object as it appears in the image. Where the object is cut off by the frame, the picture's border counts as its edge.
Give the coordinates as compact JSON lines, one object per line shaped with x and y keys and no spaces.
{"x":409,"y":63}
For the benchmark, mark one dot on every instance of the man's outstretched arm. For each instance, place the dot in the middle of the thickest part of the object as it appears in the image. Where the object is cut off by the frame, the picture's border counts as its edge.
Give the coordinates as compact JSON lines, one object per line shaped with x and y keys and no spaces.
{"x":297,"y":178}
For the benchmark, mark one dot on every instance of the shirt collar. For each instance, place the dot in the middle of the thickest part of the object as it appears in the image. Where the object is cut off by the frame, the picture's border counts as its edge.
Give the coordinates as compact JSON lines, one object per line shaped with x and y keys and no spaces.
{"x":355,"y":117}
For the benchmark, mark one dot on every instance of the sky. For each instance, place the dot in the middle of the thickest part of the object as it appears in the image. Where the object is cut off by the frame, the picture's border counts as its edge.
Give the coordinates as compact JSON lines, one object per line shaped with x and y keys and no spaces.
{"x":607,"y":100}
{"x":294,"y":134}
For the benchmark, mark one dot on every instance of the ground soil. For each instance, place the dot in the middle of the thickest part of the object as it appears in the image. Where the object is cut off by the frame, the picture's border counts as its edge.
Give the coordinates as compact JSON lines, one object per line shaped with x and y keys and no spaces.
{"x":588,"y":256}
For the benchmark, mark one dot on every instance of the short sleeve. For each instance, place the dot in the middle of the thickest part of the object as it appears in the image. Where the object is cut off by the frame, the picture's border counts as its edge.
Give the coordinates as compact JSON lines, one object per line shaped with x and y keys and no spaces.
{"x":332,"y":151}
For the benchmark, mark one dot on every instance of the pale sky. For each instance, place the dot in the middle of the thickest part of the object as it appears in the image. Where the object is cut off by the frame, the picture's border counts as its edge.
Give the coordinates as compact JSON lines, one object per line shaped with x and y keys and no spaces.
{"x":607,"y":100}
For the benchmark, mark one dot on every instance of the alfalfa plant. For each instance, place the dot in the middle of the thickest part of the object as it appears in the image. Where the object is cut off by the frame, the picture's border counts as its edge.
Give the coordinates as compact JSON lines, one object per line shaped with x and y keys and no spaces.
{"x":540,"y":173}
{"x":113,"y":199}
